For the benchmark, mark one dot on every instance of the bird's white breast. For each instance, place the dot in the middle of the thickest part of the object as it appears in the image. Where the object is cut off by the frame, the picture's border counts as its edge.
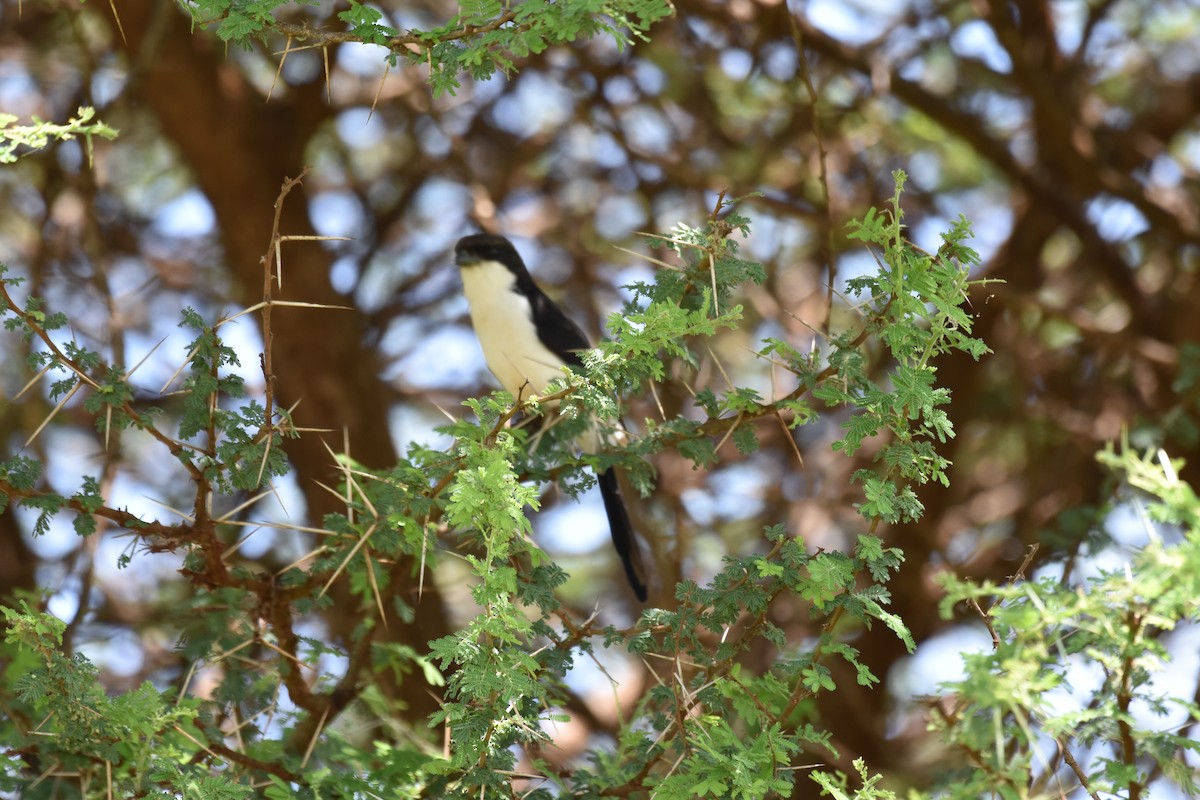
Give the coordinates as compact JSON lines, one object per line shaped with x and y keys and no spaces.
{"x":503,"y":323}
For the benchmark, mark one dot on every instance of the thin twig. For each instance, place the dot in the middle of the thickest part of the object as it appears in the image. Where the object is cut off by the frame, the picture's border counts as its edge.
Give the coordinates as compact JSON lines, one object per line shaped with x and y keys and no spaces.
{"x":1078,"y":770}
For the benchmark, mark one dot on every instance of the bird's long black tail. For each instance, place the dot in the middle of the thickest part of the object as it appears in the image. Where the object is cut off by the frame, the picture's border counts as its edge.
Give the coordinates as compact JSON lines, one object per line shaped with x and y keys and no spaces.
{"x":623,"y":537}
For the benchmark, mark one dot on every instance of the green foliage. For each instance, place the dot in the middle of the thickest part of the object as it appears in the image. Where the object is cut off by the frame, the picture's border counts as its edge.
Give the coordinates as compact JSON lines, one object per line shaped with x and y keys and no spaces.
{"x":21,"y":472}
{"x":1016,"y":698}
{"x":364,"y":23}
{"x":69,"y":720}
{"x":725,"y":732}
{"x":485,"y":37}
{"x":238,"y":20}
{"x":488,"y":37}
{"x":713,"y":730}
{"x":914,"y":304}
{"x":41,"y":133}
{"x":835,"y":785}
{"x":240,"y":447}
{"x":279,"y":721}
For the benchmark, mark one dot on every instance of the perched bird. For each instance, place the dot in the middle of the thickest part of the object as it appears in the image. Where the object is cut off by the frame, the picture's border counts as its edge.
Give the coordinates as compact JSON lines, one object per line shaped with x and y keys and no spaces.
{"x":527,"y":340}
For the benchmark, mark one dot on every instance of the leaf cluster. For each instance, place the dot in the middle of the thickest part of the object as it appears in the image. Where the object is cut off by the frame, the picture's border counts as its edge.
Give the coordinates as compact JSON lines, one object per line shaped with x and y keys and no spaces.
{"x":226,"y":448}
{"x":40,"y":133}
{"x":61,"y":714}
{"x":484,"y":37}
{"x":1021,"y":715}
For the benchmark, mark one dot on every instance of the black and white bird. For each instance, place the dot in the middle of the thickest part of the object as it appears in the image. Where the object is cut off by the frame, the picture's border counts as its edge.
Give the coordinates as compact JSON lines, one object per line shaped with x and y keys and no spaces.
{"x":527,"y":340}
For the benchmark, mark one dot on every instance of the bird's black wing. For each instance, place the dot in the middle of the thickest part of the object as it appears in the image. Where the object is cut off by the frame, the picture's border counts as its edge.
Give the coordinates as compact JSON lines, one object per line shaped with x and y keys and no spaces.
{"x":556,"y":330}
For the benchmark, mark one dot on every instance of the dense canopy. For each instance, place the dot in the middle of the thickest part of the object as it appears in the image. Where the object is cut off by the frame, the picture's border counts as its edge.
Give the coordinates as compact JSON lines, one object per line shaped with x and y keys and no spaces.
{"x":1067,"y":133}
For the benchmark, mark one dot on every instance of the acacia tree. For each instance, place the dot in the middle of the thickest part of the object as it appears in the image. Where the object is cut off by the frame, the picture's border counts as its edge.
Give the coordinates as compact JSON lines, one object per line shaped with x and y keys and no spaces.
{"x":343,"y":629}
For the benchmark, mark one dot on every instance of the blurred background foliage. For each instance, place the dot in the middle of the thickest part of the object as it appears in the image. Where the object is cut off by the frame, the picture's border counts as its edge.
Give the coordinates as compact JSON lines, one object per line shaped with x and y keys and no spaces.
{"x":1069,"y":132}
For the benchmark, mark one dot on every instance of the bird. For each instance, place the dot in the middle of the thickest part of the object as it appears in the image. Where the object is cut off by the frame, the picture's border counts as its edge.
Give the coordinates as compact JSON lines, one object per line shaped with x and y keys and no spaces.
{"x":527,"y":339}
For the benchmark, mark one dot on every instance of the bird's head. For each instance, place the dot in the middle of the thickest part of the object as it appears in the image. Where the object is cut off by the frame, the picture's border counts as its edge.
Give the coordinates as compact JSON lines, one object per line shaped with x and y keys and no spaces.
{"x":481,"y":247}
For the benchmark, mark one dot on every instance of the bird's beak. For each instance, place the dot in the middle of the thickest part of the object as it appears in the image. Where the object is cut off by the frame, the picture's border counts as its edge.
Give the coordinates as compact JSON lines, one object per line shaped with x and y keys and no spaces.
{"x":465,"y":259}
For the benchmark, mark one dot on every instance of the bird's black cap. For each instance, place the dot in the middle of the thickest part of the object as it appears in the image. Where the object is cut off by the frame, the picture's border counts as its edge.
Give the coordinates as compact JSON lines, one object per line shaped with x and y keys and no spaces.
{"x":485,"y":247}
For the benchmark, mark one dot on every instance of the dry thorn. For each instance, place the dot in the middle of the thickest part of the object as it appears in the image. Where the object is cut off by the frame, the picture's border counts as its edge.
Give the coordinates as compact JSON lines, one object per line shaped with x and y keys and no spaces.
{"x":262,"y":464}
{"x":268,"y":710}
{"x":774,"y":362}
{"x":219,"y":657}
{"x":375,"y":591}
{"x":196,"y":742}
{"x":328,"y":82}
{"x":187,"y":680}
{"x":53,"y":413}
{"x":444,"y":412}
{"x":352,"y":485}
{"x":720,"y":367}
{"x":144,"y":359}
{"x":312,"y":742}
{"x":424,"y":548}
{"x":185,"y":517}
{"x":1168,"y":468}
{"x":307,"y":556}
{"x":379,"y":90}
{"x":278,"y":244}
{"x":787,"y":434}
{"x":279,"y":70}
{"x":662,"y":412}
{"x":690,"y":389}
{"x":33,"y":380}
{"x":345,"y":468}
{"x":277,"y":526}
{"x":339,"y":495}
{"x":353,"y":552}
{"x":226,"y":518}
{"x":675,"y":766}
{"x":721,"y":229}
{"x":670,"y":239}
{"x":651,"y":259}
{"x":736,"y":422}
{"x":280,"y":303}
{"x":233,"y":548}
{"x":117,"y":18}
{"x":186,"y":360}
{"x":276,"y":648}
{"x":816,"y":331}
{"x":712,"y":272}
{"x":307,"y":238}
{"x":316,"y":46}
